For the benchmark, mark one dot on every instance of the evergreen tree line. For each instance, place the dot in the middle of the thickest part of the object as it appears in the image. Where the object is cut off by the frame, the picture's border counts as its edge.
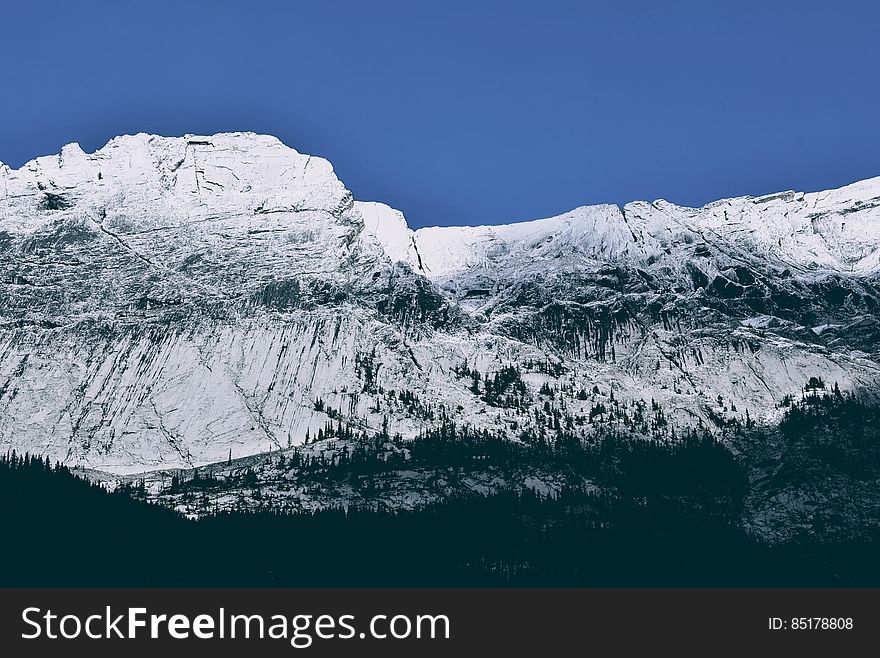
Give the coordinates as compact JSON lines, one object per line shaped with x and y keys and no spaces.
{"x":667,"y":513}
{"x":612,"y":457}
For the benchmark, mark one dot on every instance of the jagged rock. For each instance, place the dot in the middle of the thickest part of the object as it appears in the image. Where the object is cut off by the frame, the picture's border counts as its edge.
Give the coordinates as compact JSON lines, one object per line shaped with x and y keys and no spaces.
{"x":168,"y":301}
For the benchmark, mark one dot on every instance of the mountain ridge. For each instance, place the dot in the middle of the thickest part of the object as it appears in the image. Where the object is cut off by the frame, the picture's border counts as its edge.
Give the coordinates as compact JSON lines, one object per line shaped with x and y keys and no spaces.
{"x":171,"y":302}
{"x":854,"y":198}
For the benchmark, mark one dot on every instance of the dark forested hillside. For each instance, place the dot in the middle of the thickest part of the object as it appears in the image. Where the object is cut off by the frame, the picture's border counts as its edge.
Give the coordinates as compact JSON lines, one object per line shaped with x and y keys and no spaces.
{"x":682,"y":511}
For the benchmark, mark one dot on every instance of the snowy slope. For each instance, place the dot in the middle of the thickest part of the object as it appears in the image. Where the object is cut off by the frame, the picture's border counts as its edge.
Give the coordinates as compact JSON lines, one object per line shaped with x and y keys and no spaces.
{"x":168,"y":301}
{"x":838,"y":230}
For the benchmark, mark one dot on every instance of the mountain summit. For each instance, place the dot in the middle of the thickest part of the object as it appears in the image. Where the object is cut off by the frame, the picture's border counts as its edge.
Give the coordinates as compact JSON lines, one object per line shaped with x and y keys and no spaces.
{"x":169,"y":302}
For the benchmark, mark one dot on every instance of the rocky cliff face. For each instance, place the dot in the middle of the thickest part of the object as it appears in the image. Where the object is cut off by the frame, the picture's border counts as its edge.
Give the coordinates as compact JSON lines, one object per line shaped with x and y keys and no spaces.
{"x":167,"y":302}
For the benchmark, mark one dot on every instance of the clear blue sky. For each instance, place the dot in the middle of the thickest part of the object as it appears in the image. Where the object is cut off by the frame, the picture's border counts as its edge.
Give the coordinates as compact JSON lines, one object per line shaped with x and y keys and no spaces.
{"x":469,"y":112}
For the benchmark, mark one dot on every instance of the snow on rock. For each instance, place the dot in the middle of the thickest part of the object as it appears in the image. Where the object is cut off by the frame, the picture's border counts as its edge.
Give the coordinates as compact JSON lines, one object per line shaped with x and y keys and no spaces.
{"x":168,"y":301}
{"x":389,"y":227}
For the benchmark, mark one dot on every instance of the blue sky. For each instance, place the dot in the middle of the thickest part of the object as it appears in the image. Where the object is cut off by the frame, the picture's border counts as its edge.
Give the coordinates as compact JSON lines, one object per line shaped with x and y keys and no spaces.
{"x":469,"y":112}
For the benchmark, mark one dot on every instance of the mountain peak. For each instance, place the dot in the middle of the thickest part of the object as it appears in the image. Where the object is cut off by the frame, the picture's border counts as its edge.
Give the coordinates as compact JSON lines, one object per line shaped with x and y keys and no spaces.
{"x":165,"y":301}
{"x":157,"y":179}
{"x":187,"y":178}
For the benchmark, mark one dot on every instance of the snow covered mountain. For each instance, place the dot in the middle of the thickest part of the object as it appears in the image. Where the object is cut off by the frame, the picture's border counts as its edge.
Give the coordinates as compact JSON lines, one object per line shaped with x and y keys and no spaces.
{"x":172,"y":302}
